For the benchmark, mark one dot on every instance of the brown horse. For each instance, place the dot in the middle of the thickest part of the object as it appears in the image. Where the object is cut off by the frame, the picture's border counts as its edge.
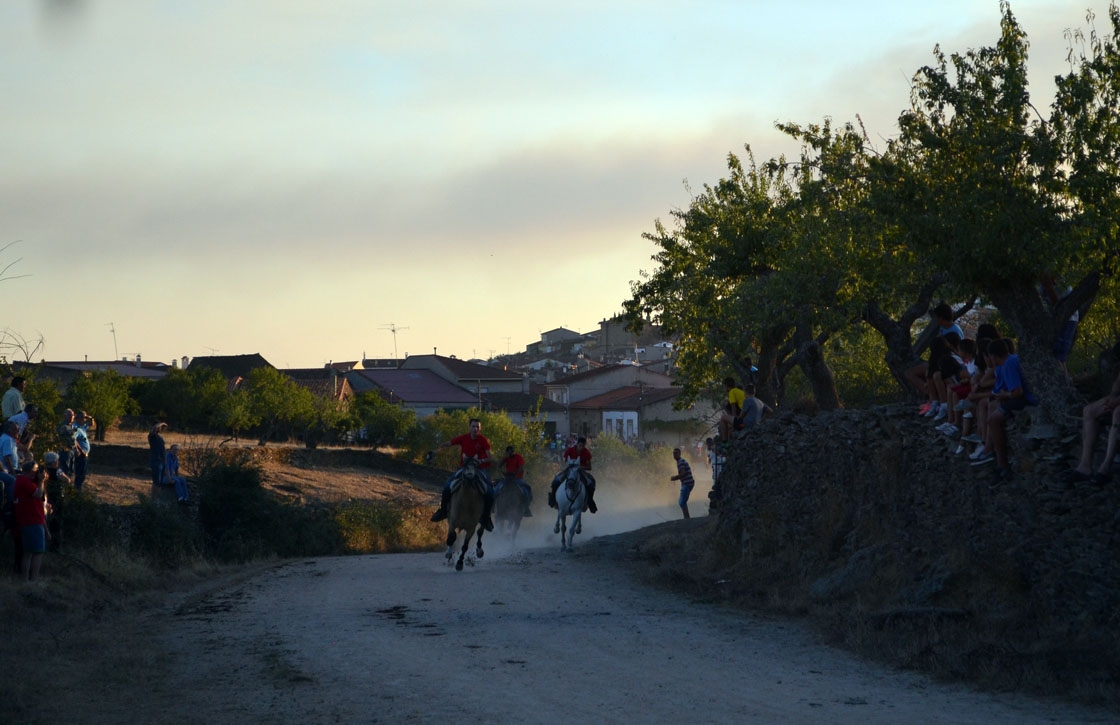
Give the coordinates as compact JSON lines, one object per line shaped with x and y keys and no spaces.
{"x":465,"y":511}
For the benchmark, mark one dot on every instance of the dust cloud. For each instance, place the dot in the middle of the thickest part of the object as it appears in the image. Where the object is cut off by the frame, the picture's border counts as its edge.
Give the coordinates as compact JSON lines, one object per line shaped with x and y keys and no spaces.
{"x":627,"y":500}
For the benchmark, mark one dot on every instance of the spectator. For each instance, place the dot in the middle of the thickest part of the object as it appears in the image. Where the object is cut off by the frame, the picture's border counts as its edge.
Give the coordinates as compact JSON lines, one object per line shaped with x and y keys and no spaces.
{"x":1092,"y":417}
{"x":30,"y":505}
{"x":157,"y":454}
{"x":922,"y":381}
{"x":25,"y":437}
{"x":172,"y":476}
{"x":56,"y":483}
{"x":715,"y":460}
{"x":68,"y":450}
{"x":684,"y":475}
{"x":9,"y":463}
{"x":12,"y":402}
{"x":1063,"y":343}
{"x":980,"y":398}
{"x":732,"y":417}
{"x":754,"y":410}
{"x":1011,"y":394}
{"x":82,"y":423}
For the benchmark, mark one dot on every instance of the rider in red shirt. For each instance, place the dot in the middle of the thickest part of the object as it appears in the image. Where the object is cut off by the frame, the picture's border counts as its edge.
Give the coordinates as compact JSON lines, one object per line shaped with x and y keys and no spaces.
{"x":471,"y":445}
{"x":514,"y":464}
{"x":581,"y":455}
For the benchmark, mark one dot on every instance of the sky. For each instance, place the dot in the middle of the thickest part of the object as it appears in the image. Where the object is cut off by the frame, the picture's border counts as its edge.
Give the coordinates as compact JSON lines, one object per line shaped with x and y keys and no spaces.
{"x":324,"y":181}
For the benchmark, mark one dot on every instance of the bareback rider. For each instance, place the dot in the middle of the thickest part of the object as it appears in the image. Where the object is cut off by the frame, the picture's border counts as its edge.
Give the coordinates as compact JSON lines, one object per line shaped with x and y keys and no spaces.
{"x":577,"y":454}
{"x":471,"y":445}
{"x":514,"y":465}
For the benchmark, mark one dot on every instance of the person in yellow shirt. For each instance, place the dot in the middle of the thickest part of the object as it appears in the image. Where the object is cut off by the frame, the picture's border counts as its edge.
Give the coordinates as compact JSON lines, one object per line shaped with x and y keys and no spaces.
{"x":732,"y":417}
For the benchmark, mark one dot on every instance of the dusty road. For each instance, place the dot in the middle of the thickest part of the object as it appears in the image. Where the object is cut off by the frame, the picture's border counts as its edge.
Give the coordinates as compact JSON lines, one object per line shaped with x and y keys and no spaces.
{"x":534,"y":636}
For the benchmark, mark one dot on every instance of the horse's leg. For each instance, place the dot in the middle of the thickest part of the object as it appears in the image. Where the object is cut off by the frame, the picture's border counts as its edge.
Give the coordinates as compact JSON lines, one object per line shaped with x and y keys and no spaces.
{"x":463,"y":551}
{"x":450,"y":541}
{"x":577,"y":525}
{"x":478,"y":547}
{"x":559,"y":522}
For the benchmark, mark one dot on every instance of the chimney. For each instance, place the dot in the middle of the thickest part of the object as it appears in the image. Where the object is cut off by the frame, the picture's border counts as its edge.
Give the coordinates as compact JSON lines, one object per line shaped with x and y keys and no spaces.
{"x":138,"y":360}
{"x":174,"y":363}
{"x":185,"y":362}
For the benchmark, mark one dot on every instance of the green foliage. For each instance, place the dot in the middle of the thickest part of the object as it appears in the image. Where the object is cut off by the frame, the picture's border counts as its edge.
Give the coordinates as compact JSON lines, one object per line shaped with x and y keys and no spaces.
{"x":280,"y":405}
{"x":375,"y":528}
{"x":977,"y":196}
{"x":234,"y":414}
{"x":45,"y":395}
{"x":330,"y":420}
{"x":242,"y":521}
{"x":445,"y":425}
{"x":105,"y":395}
{"x":385,"y":423}
{"x":185,"y":399}
{"x":165,"y":536}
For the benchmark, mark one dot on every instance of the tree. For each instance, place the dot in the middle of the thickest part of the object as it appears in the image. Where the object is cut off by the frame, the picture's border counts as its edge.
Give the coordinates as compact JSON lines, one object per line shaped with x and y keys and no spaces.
{"x":384,"y":423}
{"x":995,"y":196}
{"x":104,"y":394}
{"x":234,"y":414}
{"x":184,"y":398}
{"x":278,"y":403}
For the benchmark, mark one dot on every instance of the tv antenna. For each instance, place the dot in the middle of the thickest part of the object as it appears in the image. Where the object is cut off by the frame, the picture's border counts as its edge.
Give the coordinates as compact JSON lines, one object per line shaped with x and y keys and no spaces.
{"x":116,"y":355}
{"x":507,"y":339}
{"x":391,"y":327}
{"x":213,"y":350}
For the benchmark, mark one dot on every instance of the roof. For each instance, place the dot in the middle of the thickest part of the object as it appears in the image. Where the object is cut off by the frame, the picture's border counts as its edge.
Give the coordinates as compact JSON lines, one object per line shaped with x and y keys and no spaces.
{"x":461,"y":369}
{"x":413,"y":386}
{"x":323,"y":382}
{"x":586,"y":375}
{"x":232,"y":366}
{"x":630,"y":397}
{"x":121,"y":367}
{"x":521,"y":402}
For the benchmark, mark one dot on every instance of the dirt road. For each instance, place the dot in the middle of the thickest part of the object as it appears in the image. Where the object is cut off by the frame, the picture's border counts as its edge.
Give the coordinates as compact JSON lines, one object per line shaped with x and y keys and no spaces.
{"x":521,"y":637}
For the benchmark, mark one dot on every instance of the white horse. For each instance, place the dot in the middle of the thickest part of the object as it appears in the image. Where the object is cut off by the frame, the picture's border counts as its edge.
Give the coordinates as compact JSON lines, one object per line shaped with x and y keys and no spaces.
{"x":570,"y":497}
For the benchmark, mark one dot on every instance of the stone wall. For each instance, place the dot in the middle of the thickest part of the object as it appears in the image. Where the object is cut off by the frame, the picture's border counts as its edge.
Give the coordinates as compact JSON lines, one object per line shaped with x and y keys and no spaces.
{"x":868,"y":515}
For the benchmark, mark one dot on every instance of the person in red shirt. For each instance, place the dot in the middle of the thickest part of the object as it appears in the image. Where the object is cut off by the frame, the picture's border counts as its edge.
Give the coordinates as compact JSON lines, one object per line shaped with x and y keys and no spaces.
{"x":577,"y":454}
{"x":471,"y":445}
{"x":514,"y":464}
{"x":29,"y":498}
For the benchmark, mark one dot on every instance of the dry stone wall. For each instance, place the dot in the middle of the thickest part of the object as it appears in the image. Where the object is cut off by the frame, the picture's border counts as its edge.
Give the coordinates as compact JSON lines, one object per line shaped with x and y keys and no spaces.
{"x":870,"y":513}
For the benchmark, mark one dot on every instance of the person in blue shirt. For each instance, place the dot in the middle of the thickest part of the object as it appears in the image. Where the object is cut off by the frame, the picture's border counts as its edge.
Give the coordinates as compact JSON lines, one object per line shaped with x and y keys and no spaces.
{"x":1011,"y":394}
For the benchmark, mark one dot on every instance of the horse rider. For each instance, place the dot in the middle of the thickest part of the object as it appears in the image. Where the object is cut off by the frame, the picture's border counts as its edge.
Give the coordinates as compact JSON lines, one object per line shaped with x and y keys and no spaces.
{"x":471,"y":445}
{"x":577,"y":455}
{"x":514,"y":465}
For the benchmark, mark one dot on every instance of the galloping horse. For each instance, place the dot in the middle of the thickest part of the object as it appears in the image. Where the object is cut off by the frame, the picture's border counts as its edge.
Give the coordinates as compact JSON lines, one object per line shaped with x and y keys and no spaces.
{"x":570,"y":497}
{"x":465,"y":510}
{"x":509,"y":509}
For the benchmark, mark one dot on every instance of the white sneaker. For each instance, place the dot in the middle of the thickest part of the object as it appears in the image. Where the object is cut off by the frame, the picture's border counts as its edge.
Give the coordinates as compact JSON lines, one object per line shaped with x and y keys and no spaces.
{"x":977,"y":453}
{"x":942,"y":411}
{"x":933,"y":408}
{"x":959,"y":450}
{"x":950,"y":430}
{"x":968,"y":415}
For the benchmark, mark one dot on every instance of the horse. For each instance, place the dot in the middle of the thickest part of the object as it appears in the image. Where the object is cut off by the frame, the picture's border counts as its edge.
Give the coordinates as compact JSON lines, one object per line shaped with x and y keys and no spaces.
{"x":465,"y":511}
{"x":509,"y":508}
{"x":570,"y":497}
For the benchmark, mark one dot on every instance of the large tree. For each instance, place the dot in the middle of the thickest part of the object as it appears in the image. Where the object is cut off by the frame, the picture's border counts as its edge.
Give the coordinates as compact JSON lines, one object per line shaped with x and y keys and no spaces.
{"x":998,"y":198}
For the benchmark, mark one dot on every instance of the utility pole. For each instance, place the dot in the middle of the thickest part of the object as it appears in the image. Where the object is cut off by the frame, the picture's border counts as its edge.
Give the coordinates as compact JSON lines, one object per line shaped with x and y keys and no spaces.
{"x":391,"y":327}
{"x":113,"y":330}
{"x":507,"y":339}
